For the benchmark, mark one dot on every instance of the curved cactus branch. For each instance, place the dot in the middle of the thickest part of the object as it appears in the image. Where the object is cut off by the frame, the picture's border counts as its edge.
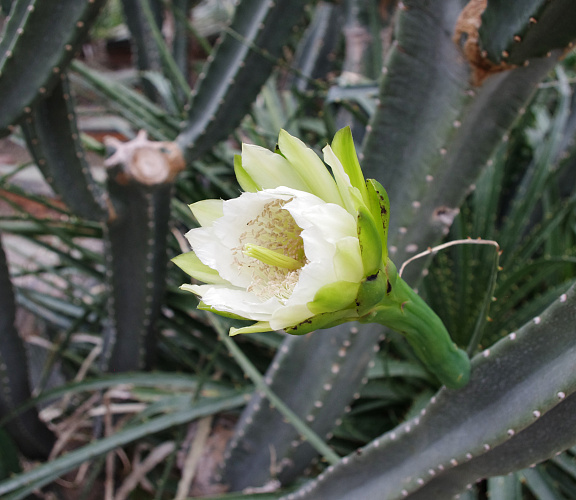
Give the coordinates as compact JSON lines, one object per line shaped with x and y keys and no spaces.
{"x":47,"y":33}
{"x":240,"y":65}
{"x":553,"y":432}
{"x":316,"y":391}
{"x":483,"y":126}
{"x":518,"y":31}
{"x":32,"y":436}
{"x":518,"y":409}
{"x":53,"y":139}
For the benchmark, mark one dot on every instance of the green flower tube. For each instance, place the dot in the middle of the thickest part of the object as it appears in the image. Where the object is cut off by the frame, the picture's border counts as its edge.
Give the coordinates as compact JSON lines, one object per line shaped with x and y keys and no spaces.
{"x":304,"y":248}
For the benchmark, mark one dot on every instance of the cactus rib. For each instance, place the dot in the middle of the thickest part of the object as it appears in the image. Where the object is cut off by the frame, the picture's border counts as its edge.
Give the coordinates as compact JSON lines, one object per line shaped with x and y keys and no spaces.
{"x":484,"y":123}
{"x":236,"y":72}
{"x":515,"y":32}
{"x":136,"y":253}
{"x":53,"y":139}
{"x":33,"y":437}
{"x":319,"y":41}
{"x":262,"y":436}
{"x":140,"y":188}
{"x":48,"y":33}
{"x":144,"y":46}
{"x":399,"y":152}
{"x":551,"y":433}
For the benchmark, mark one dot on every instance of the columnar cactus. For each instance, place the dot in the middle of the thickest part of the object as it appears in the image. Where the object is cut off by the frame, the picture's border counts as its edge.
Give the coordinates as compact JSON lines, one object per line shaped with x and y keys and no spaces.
{"x":53,"y":139}
{"x":454,"y":81}
{"x":140,"y":184}
{"x":32,"y":436}
{"x":49,"y":35}
{"x":241,"y":64}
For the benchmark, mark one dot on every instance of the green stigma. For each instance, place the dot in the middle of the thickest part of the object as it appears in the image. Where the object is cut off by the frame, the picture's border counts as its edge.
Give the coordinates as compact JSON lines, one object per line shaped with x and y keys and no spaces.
{"x":271,"y":257}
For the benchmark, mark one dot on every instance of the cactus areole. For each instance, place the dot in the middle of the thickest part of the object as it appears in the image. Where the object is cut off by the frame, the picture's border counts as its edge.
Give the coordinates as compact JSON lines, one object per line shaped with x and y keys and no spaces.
{"x":302,"y":248}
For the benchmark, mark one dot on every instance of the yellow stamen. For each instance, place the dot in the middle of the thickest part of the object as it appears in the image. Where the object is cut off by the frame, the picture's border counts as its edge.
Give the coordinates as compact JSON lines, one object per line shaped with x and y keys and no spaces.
{"x":271,"y":257}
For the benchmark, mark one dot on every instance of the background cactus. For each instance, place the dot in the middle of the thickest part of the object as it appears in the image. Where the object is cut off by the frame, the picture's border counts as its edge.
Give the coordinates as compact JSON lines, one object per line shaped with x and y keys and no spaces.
{"x":462,"y":146}
{"x":25,"y":39}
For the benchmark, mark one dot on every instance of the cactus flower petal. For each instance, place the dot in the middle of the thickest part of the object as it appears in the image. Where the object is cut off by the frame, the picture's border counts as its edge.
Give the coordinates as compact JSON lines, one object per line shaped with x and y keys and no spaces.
{"x":343,"y":148}
{"x":193,"y":266}
{"x":379,"y":206}
{"x":370,"y":241}
{"x":246,"y":182}
{"x":207,"y":211}
{"x":310,"y":167}
{"x":261,"y":326}
{"x":276,"y":248}
{"x":269,"y":170}
{"x":342,"y":180}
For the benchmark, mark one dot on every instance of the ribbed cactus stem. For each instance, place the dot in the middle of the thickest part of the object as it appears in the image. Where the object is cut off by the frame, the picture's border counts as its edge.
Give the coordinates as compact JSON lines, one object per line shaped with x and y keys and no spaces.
{"x":516,"y":410}
{"x":140,"y":188}
{"x":53,"y":139}
{"x":32,"y":436}
{"x":240,"y":65}
{"x":47,"y":33}
{"x":318,"y":392}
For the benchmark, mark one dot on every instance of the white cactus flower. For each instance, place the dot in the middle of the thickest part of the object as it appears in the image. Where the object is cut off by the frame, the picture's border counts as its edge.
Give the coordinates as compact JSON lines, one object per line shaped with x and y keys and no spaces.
{"x":304,"y":248}
{"x":287,"y":249}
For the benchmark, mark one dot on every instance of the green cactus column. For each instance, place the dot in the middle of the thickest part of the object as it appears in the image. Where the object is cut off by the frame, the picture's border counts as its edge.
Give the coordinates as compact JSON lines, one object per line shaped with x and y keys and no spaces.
{"x":32,"y":436}
{"x":320,"y":399}
{"x":140,"y":187}
{"x":517,"y":410}
{"x":53,"y":139}
{"x":38,"y":42}
{"x":144,"y":48}
{"x":242,"y":62}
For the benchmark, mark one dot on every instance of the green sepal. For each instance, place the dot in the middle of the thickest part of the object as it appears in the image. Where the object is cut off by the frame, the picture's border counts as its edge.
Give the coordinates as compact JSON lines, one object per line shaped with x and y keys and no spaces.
{"x":379,"y":205}
{"x":325,"y":320}
{"x":334,"y":297}
{"x":345,"y":189}
{"x":193,"y":266}
{"x":310,"y":168}
{"x":343,"y":147}
{"x":207,"y":211}
{"x":205,"y":307}
{"x":371,"y":292}
{"x":245,"y":181}
{"x":258,"y":327}
{"x":370,"y":240}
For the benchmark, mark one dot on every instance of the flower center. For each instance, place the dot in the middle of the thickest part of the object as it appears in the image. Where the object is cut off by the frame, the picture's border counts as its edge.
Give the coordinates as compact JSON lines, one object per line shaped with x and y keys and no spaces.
{"x":271,"y":257}
{"x":273,"y":250}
